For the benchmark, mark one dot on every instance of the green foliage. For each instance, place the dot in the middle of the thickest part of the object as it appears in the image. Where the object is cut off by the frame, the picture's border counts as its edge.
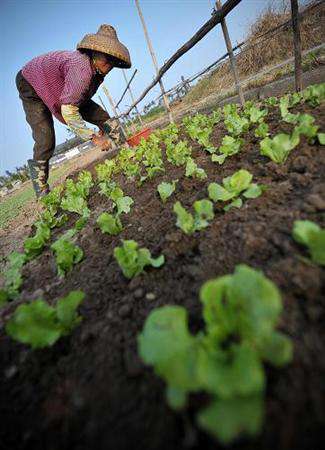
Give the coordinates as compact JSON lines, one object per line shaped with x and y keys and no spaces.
{"x":306,"y":126}
{"x":192,"y":170}
{"x":41,"y":325}
{"x":165,"y":190}
{"x":314,"y":95}
{"x":200,"y":127}
{"x":254,"y":114}
{"x":189,"y":223}
{"x":106,"y":188}
{"x":12,"y":276}
{"x":271,"y":101}
{"x":239,"y":183}
{"x":235,"y":124}
{"x":76,"y":194}
{"x":262,"y":130}
{"x":178,"y":154}
{"x":313,"y":237}
{"x":53,"y":199}
{"x":229,"y":146}
{"x":67,"y":254}
{"x":105,"y":170}
{"x":132,"y":260}
{"x":108,"y":223}
{"x":225,"y":360}
{"x":321,"y":138}
{"x":33,"y":246}
{"x":279,"y":148}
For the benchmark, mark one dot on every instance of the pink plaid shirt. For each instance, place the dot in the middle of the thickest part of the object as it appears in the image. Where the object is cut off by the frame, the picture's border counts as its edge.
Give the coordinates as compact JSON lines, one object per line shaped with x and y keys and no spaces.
{"x":62,"y":78}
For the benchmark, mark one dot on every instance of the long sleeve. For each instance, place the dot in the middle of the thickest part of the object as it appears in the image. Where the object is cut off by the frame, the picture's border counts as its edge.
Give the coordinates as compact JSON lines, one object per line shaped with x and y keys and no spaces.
{"x":73,"y":119}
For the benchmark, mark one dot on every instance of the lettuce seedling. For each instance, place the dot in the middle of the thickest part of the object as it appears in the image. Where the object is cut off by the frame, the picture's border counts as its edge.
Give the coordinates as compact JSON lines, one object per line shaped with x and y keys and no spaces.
{"x":106,"y":170}
{"x":40,"y":325}
{"x":67,"y":254}
{"x":53,"y":199}
{"x":306,"y":126}
{"x":225,"y":360}
{"x":313,"y":237}
{"x":279,"y":148}
{"x":239,"y":183}
{"x":192,"y":170}
{"x":199,"y":128}
{"x":108,"y":223}
{"x":256,"y":115}
{"x":314,"y":94}
{"x":12,"y":275}
{"x":271,"y":101}
{"x":178,"y":154}
{"x":106,"y":188}
{"x":236,"y":125}
{"x":262,"y":130}
{"x":229,"y":146}
{"x":33,"y":246}
{"x":132,"y":260}
{"x":165,"y":190}
{"x":189,"y":223}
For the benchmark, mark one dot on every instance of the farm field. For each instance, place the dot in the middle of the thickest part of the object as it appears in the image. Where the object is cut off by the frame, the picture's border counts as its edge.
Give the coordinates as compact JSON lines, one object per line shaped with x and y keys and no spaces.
{"x":91,"y":388}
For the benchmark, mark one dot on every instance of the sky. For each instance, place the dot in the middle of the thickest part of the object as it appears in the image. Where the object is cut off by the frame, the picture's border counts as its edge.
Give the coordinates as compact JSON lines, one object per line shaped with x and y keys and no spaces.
{"x":32,"y":27}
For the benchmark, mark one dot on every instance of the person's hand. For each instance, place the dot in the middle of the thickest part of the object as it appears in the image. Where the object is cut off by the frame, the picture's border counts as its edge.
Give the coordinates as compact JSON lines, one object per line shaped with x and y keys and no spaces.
{"x":101,"y":141}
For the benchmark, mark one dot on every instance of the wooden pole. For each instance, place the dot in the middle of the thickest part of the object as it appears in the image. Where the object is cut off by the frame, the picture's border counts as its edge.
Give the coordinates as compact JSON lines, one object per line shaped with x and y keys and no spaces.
{"x":297,"y":44}
{"x":154,"y":60}
{"x":231,"y":55}
{"x":101,"y":101}
{"x":111,"y":101}
{"x":131,"y":95}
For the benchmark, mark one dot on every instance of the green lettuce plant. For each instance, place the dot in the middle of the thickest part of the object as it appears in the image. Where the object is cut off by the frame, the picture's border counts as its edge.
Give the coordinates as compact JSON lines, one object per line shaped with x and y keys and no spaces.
{"x":108,"y":223}
{"x":192,"y":170}
{"x":203,"y":212}
{"x":40,"y":325}
{"x":313,"y":237}
{"x":225,"y":359}
{"x":132,"y":260}
{"x":165,"y":190}
{"x":67,"y":254}
{"x":12,"y":276}
{"x":178,"y":153}
{"x":238,"y":183}
{"x":262,"y":130}
{"x":279,"y":148}
{"x":229,"y":146}
{"x":33,"y":246}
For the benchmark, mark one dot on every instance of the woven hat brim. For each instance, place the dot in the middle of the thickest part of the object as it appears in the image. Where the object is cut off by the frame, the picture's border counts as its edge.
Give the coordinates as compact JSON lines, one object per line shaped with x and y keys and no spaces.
{"x":111,"y":47}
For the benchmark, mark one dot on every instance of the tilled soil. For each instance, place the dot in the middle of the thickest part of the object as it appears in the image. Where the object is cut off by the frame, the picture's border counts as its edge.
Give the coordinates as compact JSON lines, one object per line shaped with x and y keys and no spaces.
{"x":90,"y":390}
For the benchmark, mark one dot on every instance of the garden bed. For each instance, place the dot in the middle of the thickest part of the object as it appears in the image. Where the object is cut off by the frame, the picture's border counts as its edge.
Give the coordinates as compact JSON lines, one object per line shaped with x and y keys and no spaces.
{"x":91,"y":390}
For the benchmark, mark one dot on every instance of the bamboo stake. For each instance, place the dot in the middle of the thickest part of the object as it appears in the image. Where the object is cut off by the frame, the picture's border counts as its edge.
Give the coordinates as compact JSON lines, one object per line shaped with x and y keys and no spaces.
{"x":111,"y":101}
{"x":101,"y":101}
{"x":297,"y":44}
{"x":131,"y":95}
{"x":154,"y":60}
{"x":231,"y":55}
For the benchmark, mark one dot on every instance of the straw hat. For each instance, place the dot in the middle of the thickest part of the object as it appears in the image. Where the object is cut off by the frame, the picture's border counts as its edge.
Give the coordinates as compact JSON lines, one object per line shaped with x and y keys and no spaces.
{"x":106,"y":41}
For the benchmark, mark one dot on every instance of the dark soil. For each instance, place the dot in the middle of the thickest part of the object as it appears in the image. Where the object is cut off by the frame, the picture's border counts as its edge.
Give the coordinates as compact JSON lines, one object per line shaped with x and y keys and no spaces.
{"x":90,"y":390}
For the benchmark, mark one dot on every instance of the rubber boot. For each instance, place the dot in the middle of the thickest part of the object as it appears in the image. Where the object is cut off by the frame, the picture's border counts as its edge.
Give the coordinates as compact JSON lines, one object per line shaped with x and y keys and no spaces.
{"x":39,"y":173}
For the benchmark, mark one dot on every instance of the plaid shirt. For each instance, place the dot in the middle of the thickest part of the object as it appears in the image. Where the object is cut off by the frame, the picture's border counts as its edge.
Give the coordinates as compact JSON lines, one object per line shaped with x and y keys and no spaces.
{"x":62,"y":78}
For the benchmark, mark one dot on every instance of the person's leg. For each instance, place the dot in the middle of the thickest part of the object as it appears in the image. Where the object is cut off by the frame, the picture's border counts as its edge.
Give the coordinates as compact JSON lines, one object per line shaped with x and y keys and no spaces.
{"x":93,"y":113}
{"x":40,"y":120}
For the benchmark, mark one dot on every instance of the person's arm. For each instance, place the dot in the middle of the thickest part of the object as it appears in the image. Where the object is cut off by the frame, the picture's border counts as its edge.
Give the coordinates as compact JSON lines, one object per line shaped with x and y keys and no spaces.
{"x":75,"y":122}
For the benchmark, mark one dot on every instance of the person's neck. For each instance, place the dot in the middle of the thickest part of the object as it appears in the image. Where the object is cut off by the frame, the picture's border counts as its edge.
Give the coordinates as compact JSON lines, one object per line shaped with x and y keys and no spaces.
{"x":98,"y":72}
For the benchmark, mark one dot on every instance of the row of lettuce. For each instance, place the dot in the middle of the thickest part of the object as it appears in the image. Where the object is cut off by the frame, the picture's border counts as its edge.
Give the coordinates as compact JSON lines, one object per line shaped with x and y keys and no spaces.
{"x":240,"y":310}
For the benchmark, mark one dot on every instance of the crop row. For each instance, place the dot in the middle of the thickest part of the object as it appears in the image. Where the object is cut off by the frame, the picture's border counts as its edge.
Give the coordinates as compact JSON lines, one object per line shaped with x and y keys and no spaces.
{"x":240,"y":310}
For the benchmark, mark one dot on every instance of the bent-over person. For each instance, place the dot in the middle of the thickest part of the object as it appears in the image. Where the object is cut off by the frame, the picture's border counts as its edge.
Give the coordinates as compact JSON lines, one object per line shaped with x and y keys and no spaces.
{"x":61,"y":84}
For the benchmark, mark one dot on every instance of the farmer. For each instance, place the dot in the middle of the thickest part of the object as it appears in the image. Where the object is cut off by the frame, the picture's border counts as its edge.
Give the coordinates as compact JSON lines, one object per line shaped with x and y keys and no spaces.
{"x":62,"y":83}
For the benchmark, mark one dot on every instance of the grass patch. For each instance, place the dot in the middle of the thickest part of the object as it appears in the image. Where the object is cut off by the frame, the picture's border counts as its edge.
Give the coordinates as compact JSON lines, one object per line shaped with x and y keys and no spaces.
{"x":11,"y":206}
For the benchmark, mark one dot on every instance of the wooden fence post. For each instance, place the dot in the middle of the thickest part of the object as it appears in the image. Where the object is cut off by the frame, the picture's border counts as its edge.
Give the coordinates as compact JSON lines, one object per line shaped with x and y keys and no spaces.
{"x":111,"y":101}
{"x":231,"y":55}
{"x":132,"y":98}
{"x":154,"y":60}
{"x":297,"y":44}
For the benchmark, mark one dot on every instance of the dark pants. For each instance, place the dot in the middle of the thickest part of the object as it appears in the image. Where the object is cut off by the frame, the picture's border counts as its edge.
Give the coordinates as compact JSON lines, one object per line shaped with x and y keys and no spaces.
{"x":40,"y":118}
